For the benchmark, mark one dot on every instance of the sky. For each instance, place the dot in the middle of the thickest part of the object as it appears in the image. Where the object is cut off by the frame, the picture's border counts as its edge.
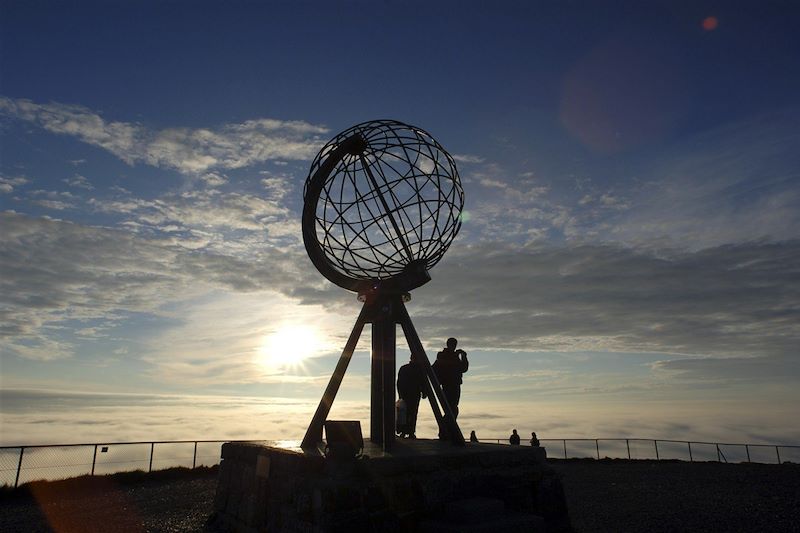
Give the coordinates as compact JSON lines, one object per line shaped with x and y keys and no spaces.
{"x":628,"y":265}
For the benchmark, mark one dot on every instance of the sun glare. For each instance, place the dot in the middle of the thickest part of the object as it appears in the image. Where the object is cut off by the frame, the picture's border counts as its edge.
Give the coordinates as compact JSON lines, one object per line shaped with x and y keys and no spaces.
{"x":288,"y":347}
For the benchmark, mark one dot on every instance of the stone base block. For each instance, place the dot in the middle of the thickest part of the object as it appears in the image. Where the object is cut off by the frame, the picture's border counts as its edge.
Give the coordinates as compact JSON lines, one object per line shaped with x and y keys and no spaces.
{"x":421,"y":485}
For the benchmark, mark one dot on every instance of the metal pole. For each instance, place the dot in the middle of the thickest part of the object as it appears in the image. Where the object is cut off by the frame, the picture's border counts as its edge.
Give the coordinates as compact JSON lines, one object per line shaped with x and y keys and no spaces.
{"x":747,"y":449}
{"x":94,"y":458}
{"x":597,"y":447}
{"x":19,"y":465}
{"x":194,"y":457}
{"x":565,"y":448}
{"x":778,"y":453}
{"x":382,"y":427}
{"x":152,"y":445}
{"x":655,"y":443}
{"x":628,"y":445}
{"x":691,"y":459}
{"x":314,"y":432}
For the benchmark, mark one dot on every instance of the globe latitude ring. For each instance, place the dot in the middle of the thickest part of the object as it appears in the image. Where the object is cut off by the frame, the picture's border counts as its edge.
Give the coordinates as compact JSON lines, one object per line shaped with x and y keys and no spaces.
{"x":382,"y":204}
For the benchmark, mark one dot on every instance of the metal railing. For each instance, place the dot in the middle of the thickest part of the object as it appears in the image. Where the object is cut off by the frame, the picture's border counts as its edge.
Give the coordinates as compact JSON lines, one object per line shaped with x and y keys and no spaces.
{"x":21,"y":464}
{"x":670,"y":449}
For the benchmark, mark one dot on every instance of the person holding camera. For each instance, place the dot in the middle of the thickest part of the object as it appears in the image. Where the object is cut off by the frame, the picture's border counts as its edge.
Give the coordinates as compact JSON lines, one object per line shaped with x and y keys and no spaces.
{"x":450,"y":365}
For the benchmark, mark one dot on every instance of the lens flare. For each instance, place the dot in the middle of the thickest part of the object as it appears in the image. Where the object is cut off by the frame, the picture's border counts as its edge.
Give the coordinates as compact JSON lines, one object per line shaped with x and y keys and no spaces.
{"x":710,"y":23}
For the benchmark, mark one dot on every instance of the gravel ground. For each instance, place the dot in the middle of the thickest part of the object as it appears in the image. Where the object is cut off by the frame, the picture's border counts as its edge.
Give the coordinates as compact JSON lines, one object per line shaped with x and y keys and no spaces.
{"x":168,"y":501}
{"x":609,"y":495}
{"x":652,"y":496}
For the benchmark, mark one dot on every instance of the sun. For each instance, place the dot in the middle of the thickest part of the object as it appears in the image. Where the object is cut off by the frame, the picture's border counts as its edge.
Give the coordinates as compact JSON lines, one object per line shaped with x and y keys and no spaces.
{"x":288,"y":347}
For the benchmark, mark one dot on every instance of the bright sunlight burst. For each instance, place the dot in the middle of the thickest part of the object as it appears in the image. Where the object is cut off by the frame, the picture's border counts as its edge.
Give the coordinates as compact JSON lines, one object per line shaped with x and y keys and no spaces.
{"x":288,"y":347}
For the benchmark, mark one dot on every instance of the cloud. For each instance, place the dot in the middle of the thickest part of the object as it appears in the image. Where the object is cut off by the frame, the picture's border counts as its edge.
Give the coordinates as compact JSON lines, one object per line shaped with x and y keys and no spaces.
{"x":188,"y":150}
{"x":79,"y":182}
{"x":774,"y":368}
{"x":467,"y":158}
{"x":734,"y":183}
{"x":54,"y":271}
{"x":736,"y":300}
{"x":55,"y":200}
{"x":208,"y":210}
{"x":739,"y":182}
{"x":7,"y":184}
{"x":509,"y":207}
{"x":213,"y":179}
{"x":729,"y":301}
{"x":35,"y":417}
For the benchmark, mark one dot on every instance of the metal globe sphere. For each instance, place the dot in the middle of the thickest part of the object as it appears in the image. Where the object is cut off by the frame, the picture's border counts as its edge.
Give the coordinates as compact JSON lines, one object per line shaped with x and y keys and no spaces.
{"x":382,"y":204}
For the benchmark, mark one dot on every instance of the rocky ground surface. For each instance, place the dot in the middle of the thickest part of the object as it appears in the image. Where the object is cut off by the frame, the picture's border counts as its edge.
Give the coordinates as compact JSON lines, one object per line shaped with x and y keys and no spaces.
{"x":653,"y":496}
{"x":609,"y":495}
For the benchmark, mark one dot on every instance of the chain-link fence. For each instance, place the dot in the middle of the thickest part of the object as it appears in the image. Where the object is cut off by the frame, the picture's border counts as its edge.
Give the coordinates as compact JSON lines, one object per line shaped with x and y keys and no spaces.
{"x":20,"y":464}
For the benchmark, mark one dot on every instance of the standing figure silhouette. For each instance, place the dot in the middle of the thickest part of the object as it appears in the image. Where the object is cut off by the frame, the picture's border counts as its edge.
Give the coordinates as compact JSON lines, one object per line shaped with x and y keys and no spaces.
{"x":449,"y":366}
{"x":410,"y":389}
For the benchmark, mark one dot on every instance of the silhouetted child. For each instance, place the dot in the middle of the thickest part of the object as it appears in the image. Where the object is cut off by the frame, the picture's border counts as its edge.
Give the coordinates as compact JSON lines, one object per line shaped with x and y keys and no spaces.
{"x":514,"y":438}
{"x":472,"y":436}
{"x":534,"y":440}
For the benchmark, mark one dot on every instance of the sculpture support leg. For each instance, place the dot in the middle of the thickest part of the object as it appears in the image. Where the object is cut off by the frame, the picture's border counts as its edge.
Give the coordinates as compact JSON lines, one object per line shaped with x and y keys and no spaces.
{"x":382,"y":424}
{"x":384,"y":316}
{"x":314,"y":432}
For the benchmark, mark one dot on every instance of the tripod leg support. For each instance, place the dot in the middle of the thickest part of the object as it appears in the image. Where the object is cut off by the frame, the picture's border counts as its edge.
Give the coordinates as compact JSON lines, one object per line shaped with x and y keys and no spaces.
{"x":314,"y":432}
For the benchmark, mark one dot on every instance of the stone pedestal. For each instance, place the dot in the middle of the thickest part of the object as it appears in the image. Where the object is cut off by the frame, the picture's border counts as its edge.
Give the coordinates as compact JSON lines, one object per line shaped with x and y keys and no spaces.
{"x":422,"y":485}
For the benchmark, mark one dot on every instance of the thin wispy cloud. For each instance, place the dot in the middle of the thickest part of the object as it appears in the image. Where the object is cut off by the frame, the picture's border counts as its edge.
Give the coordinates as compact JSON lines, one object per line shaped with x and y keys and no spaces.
{"x":188,"y":150}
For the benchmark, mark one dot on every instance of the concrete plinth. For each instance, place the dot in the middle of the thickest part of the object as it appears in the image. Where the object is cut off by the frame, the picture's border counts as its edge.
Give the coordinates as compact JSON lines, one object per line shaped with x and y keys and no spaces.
{"x":421,"y":485}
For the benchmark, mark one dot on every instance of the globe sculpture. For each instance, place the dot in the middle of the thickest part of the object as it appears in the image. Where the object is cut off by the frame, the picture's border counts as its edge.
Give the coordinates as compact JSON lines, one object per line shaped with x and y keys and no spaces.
{"x":381,"y":205}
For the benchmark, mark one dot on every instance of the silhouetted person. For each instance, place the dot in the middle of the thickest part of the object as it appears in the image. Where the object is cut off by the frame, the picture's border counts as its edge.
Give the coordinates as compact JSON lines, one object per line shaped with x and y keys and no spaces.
{"x":472,"y":436}
{"x":449,"y":366}
{"x":514,"y":438}
{"x":409,"y":388}
{"x":534,"y":439}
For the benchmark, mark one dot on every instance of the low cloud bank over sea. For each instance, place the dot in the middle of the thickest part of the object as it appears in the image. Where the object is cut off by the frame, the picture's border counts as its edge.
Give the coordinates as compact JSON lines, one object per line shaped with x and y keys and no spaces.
{"x":29,"y":417}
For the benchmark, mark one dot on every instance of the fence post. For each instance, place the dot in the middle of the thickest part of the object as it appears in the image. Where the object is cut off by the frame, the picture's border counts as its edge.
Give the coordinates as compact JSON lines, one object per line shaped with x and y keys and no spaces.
{"x":19,"y":465}
{"x":655,"y":443}
{"x":194,"y":458}
{"x":597,"y":447}
{"x":719,"y":460}
{"x":565,"y":448}
{"x":691,"y":459}
{"x":94,"y":458}
{"x":747,"y":449}
{"x":777,"y":452}
{"x":628,"y":445}
{"x":152,"y":444}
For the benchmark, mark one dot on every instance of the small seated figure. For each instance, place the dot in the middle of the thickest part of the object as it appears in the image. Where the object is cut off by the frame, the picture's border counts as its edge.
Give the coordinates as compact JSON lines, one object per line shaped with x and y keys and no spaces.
{"x":472,"y":436}
{"x":534,"y":440}
{"x":514,"y":438}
